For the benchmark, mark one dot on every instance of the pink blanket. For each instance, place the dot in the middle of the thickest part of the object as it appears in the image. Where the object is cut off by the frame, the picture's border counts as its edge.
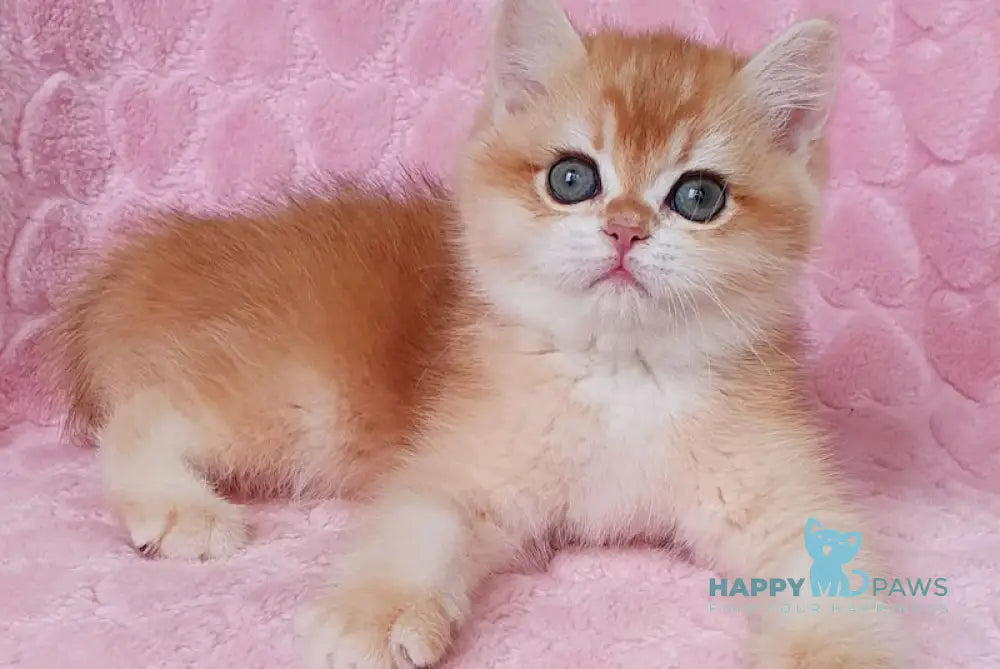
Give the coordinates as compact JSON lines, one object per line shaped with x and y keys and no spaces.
{"x":107,"y":106}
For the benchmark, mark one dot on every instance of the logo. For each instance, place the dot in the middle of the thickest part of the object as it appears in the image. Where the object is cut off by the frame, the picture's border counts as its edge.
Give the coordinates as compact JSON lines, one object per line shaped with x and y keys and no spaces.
{"x":830,"y":551}
{"x":830,"y":576}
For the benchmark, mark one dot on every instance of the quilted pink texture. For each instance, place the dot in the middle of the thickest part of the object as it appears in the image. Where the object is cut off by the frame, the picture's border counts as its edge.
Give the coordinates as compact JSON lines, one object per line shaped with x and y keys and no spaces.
{"x":116,"y":106}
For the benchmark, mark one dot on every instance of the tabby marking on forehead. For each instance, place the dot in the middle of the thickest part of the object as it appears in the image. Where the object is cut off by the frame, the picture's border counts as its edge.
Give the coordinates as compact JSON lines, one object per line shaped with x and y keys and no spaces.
{"x":679,"y":146}
{"x":607,"y":128}
{"x":611,"y":170}
{"x":685,"y":87}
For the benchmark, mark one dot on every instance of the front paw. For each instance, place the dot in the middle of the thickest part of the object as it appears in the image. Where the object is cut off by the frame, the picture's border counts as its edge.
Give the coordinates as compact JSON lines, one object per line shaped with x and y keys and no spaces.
{"x":376,"y":627}
{"x":814,"y":649}
{"x":185,"y":529}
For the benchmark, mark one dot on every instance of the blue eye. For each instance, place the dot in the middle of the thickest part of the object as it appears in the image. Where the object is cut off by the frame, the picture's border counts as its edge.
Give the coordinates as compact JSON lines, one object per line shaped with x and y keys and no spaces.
{"x":698,"y":196}
{"x":573,"y":179}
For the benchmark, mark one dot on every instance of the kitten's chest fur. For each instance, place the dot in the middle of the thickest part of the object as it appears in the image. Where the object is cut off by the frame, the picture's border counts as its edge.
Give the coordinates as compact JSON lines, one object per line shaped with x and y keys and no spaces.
{"x":607,"y":430}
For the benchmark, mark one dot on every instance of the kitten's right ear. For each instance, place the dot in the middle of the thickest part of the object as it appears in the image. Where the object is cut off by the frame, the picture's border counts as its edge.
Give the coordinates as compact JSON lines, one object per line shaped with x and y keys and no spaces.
{"x":532,"y":40}
{"x":812,"y":525}
{"x":792,"y":81}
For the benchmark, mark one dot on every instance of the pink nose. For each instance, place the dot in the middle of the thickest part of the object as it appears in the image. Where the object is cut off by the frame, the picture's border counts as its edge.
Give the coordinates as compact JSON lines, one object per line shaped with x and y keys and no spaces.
{"x":624,"y":234}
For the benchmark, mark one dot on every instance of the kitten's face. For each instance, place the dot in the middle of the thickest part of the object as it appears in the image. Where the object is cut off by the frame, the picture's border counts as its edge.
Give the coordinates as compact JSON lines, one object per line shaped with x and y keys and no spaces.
{"x":639,"y":187}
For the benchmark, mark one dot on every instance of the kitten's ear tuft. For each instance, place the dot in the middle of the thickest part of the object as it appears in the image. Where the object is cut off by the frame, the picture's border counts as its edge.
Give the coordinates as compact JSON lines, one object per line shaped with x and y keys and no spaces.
{"x":792,"y":80}
{"x":532,"y":40}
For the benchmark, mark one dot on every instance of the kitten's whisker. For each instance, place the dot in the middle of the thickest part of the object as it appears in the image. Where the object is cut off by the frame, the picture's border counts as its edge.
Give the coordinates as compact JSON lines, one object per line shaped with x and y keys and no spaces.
{"x":687,"y":297}
{"x":672,"y":306}
{"x":756,"y":330}
{"x":749,"y":330}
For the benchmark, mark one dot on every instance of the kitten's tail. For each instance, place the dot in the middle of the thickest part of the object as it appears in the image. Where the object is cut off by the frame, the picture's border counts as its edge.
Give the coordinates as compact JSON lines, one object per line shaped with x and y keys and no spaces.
{"x":68,"y":369}
{"x":864,"y":582}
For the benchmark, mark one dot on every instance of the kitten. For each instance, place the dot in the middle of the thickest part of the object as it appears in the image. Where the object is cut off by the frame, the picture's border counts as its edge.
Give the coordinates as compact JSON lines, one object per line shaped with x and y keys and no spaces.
{"x":591,"y":339}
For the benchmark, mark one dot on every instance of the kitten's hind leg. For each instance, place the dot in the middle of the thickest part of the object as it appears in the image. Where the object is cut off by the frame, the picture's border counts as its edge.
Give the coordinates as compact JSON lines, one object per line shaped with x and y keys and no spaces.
{"x":167,"y":507}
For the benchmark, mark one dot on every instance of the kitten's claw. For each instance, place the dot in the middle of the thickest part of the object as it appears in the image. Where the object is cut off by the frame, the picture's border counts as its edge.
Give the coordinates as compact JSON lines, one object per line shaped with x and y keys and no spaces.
{"x":404,"y":656}
{"x":149,"y":550}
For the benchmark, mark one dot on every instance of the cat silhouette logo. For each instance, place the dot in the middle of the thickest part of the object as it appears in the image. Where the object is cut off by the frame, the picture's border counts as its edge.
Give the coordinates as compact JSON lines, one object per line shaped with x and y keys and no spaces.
{"x":830,"y":551}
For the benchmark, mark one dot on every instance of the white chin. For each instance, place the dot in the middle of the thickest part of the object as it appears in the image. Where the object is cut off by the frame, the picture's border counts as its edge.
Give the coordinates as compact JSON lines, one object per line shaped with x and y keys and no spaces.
{"x":620,"y":300}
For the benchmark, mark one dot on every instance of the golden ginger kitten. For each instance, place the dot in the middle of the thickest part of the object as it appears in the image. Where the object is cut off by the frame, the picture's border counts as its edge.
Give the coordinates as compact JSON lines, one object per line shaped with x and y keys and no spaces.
{"x":591,"y":339}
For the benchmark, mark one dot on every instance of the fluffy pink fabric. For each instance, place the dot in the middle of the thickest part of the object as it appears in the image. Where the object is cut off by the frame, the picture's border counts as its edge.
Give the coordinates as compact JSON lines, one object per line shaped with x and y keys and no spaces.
{"x":112,"y":105}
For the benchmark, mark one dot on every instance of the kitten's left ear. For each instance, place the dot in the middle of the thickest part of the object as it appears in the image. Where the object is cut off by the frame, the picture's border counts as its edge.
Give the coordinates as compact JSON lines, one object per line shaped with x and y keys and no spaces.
{"x":854,"y":538}
{"x":792,"y":81}
{"x":532,"y":40}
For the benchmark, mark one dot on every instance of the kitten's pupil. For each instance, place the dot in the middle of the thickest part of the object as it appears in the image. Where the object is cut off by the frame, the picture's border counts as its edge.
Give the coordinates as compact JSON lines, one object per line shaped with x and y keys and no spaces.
{"x":696,"y":193}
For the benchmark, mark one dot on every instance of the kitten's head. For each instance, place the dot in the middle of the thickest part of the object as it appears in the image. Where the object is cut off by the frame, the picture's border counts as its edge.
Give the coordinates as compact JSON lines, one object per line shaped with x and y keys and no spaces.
{"x":828,"y":545}
{"x":618,"y":183}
